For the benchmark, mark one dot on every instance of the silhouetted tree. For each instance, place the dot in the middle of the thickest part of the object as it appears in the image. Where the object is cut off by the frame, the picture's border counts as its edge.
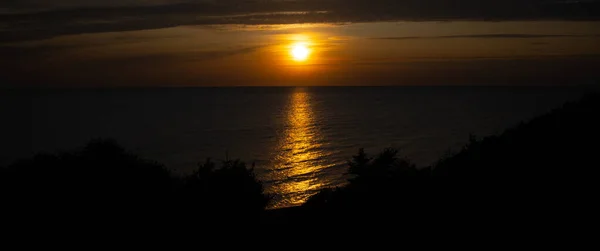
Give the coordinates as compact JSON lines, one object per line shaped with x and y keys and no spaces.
{"x":377,"y":188}
{"x":359,"y":163}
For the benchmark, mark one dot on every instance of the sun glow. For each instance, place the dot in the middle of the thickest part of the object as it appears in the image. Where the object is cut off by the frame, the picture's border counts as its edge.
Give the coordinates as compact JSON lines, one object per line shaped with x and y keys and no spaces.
{"x":300,"y":51}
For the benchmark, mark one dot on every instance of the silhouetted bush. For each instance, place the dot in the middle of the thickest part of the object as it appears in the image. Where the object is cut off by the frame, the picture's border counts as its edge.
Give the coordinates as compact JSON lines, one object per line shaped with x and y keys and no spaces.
{"x":233,"y":189}
{"x":102,"y":180}
{"x":381,"y":188}
{"x":101,"y":176}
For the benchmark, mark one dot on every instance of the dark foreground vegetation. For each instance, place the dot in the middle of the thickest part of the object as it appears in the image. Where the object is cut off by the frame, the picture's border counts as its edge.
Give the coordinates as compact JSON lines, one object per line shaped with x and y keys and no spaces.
{"x":104,"y":182}
{"x":543,"y":171}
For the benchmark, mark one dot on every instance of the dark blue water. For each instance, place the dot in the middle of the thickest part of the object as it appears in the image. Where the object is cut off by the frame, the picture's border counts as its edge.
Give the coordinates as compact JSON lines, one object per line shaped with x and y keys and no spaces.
{"x":299,"y":138}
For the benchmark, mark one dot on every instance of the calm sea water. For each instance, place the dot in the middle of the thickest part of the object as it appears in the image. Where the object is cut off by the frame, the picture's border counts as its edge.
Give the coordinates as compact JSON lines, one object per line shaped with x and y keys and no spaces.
{"x":299,"y":138}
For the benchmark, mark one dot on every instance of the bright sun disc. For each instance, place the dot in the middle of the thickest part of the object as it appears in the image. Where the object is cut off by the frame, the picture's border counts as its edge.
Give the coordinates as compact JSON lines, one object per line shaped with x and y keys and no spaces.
{"x":300,"y":52}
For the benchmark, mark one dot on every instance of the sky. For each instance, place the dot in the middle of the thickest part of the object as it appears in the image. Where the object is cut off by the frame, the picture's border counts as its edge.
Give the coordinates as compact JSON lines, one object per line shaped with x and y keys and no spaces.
{"x":110,"y":43}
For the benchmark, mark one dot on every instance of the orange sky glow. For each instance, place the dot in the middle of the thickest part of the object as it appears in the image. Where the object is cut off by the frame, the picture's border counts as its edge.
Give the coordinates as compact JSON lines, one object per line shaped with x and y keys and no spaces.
{"x":388,"y":53}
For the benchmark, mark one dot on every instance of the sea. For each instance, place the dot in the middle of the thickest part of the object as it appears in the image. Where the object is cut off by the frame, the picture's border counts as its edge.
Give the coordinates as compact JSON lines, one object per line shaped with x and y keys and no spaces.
{"x":299,"y":139}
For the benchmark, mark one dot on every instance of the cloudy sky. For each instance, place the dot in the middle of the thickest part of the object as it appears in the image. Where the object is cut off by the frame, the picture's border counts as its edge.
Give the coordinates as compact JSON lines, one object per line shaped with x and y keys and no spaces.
{"x":252,"y":42}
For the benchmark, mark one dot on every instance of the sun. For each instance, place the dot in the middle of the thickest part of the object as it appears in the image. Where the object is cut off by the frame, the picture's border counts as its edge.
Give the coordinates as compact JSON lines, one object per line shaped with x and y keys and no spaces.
{"x":300,"y":52}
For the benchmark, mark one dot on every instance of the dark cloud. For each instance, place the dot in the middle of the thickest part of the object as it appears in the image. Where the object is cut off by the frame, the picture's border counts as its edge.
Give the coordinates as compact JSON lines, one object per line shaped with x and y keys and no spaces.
{"x":485,"y":36}
{"x":36,"y":19}
{"x":13,"y":54}
{"x":182,"y":57}
{"x":56,"y":65}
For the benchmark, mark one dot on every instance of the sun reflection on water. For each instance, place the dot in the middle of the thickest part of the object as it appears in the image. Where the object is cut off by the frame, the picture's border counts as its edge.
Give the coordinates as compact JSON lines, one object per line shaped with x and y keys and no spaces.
{"x":299,"y":161}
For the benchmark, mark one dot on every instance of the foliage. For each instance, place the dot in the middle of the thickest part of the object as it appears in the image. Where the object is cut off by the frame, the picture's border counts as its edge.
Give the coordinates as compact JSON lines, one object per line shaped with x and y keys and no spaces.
{"x":104,"y":180}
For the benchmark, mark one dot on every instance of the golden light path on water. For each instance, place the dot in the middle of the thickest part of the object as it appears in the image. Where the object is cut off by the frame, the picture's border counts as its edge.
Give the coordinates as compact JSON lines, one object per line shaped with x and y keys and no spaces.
{"x":298,"y":164}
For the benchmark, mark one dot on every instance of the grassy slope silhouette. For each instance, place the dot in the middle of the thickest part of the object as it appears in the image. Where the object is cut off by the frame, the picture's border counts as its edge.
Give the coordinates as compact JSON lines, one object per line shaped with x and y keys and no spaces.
{"x":539,"y":170}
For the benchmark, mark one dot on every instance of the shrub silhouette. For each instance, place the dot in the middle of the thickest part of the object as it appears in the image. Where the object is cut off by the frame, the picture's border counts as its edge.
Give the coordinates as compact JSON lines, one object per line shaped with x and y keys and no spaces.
{"x":101,"y":172}
{"x":232,"y":189}
{"x":102,"y":180}
{"x":381,"y":187}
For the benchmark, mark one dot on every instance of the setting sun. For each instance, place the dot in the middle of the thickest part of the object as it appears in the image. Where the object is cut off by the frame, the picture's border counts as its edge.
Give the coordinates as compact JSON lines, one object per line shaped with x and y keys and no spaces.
{"x":300,"y":52}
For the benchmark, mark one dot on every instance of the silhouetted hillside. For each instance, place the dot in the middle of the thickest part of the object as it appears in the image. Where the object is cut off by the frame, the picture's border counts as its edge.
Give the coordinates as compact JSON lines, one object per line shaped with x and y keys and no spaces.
{"x":543,"y":168}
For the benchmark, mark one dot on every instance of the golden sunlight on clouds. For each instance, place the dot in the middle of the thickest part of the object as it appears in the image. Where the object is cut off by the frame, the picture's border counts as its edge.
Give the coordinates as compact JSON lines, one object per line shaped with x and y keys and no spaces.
{"x":396,"y":53}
